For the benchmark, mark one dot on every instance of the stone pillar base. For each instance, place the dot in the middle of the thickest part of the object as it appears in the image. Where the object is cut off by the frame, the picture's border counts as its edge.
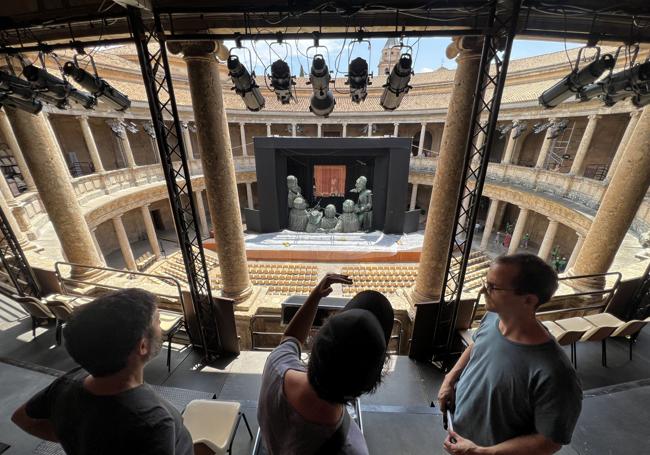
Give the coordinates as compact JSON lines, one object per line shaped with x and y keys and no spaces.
{"x":238,"y":297}
{"x":414,"y":296}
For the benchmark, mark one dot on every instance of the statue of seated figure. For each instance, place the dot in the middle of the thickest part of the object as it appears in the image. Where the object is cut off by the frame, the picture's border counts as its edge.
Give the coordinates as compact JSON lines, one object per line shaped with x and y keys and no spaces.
{"x":329,"y":221}
{"x":363,"y":207}
{"x":315,"y":217}
{"x":348,"y":221}
{"x":298,"y":216}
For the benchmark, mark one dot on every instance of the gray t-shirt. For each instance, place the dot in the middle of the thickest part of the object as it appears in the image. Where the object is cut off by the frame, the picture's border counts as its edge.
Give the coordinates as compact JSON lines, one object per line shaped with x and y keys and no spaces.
{"x":284,"y":431}
{"x":510,"y":389}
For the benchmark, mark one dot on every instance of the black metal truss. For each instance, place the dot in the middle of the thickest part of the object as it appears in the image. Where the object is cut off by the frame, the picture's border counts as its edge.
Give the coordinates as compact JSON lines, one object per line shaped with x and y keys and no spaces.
{"x":152,"y":53}
{"x":14,"y":261}
{"x":493,"y":68}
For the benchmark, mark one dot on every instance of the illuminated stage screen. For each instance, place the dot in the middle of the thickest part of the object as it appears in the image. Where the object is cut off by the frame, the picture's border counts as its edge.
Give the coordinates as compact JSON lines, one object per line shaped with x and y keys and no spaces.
{"x":329,"y":180}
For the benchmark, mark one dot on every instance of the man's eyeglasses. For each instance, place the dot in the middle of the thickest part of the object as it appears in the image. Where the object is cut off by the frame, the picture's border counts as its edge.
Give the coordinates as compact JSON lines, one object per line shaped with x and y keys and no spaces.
{"x":489,"y":287}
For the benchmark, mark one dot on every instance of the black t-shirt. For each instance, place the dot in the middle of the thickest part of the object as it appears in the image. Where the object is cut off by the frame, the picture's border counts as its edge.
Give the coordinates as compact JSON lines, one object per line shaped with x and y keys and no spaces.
{"x":136,"y":421}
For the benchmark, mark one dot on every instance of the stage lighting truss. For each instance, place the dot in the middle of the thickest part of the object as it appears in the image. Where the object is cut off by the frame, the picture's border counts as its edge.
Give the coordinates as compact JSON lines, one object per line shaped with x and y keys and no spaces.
{"x":17,"y":93}
{"x":397,"y":83}
{"x":578,"y":78}
{"x":358,"y":77}
{"x":244,"y":81}
{"x":633,"y":81}
{"x":99,"y":88}
{"x":322,"y":100}
{"x":55,"y":90}
{"x":280,"y":77}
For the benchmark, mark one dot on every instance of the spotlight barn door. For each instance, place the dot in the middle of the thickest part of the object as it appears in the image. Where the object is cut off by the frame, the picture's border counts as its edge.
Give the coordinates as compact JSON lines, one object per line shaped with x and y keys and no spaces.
{"x":435,"y":322}
{"x":204,"y":314}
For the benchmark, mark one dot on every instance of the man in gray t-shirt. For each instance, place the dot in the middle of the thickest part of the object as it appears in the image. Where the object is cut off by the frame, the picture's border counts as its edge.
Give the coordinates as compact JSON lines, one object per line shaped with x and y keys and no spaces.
{"x":513,"y":390}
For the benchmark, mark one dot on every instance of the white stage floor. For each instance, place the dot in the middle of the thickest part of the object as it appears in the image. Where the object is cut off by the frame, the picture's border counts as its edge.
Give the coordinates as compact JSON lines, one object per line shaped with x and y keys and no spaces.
{"x":357,"y":242}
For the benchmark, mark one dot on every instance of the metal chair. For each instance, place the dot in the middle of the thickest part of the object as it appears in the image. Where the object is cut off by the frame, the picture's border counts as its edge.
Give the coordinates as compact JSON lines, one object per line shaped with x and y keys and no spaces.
{"x":170,"y":324}
{"x":35,"y":308}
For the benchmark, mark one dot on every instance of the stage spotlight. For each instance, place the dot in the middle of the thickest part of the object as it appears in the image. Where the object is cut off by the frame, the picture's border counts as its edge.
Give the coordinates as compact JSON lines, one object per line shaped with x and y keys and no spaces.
{"x":245,"y":85}
{"x":31,"y":106}
{"x":642,"y":99}
{"x":617,"y":86}
{"x":575,"y":81}
{"x":15,"y":86}
{"x":54,"y":90}
{"x":281,"y":81}
{"x":358,"y":79}
{"x":322,"y":101}
{"x":397,"y":84}
{"x":97,"y":86}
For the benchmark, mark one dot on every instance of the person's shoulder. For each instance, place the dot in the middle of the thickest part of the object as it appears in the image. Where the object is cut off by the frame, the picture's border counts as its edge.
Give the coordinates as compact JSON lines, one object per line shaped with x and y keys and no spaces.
{"x":146,"y":407}
{"x":285,"y":356}
{"x":355,"y":443}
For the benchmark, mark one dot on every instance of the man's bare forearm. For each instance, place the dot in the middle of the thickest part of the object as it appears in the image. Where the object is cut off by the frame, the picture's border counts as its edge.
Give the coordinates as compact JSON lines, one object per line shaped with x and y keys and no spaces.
{"x":533,"y":443}
{"x":41,"y":428}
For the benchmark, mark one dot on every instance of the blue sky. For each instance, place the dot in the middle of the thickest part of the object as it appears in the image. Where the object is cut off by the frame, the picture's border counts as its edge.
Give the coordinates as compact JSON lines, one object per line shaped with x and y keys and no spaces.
{"x":428,"y":53}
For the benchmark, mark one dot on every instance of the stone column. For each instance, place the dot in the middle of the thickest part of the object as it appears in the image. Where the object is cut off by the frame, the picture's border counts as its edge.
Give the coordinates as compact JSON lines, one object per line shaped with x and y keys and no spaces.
{"x":423,"y":131}
{"x":546,"y":147}
{"x":345,"y":130}
{"x":93,"y":233}
{"x":220,"y":182}
{"x":549,"y":237}
{"x":200,"y":208}
{"x":319,"y":127}
{"x":414,"y":195}
{"x":151,"y":231}
{"x":489,"y":223}
{"x":634,"y":118}
{"x":518,"y":233}
{"x":187,"y":141}
{"x":268,"y":129}
{"x":294,"y":127}
{"x":510,"y":147}
{"x":575,"y":252}
{"x":55,"y":189}
{"x":10,"y":137}
{"x":619,"y":205}
{"x":125,"y":245}
{"x":242,"y":136}
{"x":585,"y":142}
{"x":249,"y":195}
{"x":90,"y":144}
{"x":55,"y":140}
{"x":6,"y":209}
{"x":447,"y":179}
{"x":395,"y":129}
{"x":126,"y":148}
{"x":369,"y":129}
{"x":6,"y":191}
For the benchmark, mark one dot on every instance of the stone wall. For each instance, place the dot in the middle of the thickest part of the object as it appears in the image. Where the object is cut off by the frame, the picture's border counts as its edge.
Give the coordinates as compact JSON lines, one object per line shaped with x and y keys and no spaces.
{"x":71,"y":141}
{"x":107,"y":144}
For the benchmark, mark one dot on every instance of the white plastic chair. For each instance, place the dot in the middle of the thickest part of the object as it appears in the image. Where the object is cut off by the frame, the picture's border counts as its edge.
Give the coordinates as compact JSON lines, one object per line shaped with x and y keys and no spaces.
{"x":214,"y":423}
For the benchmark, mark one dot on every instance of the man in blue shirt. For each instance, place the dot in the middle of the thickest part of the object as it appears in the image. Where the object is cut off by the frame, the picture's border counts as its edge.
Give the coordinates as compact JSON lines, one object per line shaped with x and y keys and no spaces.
{"x":514,"y":390}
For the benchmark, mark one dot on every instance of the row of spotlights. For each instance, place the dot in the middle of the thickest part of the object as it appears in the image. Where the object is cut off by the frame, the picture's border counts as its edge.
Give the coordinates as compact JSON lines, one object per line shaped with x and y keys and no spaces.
{"x":40,"y":86}
{"x":632,"y":82}
{"x":322,"y":101}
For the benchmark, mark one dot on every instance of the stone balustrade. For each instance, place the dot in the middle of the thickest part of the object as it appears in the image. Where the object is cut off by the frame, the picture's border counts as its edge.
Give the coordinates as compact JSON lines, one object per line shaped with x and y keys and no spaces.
{"x":580,"y":190}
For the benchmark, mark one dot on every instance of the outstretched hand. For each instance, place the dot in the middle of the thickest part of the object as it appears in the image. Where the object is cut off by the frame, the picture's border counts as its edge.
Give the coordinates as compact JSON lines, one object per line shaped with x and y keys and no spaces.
{"x":324,"y":288}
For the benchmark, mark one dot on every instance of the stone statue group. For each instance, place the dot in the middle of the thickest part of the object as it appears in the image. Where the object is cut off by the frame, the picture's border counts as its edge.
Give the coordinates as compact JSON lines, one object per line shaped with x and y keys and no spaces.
{"x":355,"y":217}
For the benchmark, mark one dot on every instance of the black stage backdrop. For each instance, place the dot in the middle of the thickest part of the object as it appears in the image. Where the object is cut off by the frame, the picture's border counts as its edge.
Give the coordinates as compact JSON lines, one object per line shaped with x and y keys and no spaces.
{"x":384,"y":161}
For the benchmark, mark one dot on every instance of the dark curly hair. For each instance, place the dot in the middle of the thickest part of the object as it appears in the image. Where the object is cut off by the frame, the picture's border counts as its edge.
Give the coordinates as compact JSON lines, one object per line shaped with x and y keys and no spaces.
{"x":101,"y":335}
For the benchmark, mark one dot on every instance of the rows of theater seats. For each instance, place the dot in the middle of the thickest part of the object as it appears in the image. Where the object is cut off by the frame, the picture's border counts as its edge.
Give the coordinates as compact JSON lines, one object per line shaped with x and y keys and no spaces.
{"x":388,"y":278}
{"x":284,"y":279}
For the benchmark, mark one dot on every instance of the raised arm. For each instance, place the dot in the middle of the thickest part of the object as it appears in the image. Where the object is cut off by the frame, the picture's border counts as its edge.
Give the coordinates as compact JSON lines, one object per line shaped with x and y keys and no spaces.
{"x":304,"y":318}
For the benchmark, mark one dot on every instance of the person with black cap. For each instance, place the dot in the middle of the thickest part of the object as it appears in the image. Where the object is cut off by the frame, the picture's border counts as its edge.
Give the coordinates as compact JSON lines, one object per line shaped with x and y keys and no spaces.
{"x":302,"y":408}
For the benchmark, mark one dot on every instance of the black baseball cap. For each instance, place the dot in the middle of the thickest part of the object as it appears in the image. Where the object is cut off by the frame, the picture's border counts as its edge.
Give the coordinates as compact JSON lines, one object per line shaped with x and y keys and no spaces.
{"x":349,"y":352}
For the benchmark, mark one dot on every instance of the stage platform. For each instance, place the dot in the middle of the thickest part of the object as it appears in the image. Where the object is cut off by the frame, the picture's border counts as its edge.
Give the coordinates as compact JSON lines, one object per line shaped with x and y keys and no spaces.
{"x":355,"y":247}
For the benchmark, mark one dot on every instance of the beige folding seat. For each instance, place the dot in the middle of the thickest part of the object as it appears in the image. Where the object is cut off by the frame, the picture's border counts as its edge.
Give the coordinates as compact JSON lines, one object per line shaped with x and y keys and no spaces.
{"x":591,"y":332}
{"x":565,"y":338}
{"x":627,"y":329}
